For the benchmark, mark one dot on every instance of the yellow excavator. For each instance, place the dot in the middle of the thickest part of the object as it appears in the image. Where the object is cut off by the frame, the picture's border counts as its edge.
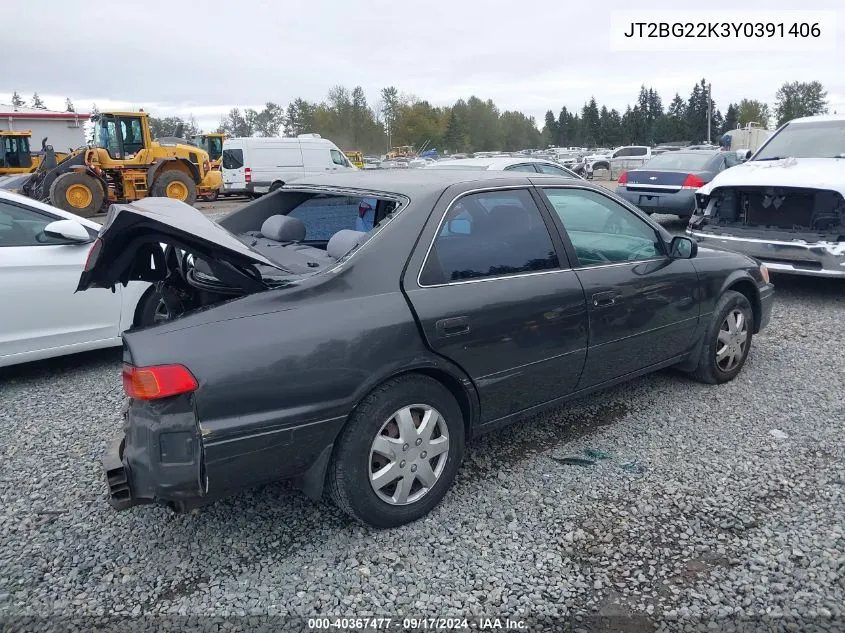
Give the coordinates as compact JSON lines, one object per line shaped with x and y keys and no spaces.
{"x":15,"y":154}
{"x":122,"y":164}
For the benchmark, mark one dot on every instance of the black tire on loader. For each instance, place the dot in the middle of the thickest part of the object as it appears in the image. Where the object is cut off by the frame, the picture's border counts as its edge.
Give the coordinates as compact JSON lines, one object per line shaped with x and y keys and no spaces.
{"x":77,"y":192}
{"x":172,"y":183}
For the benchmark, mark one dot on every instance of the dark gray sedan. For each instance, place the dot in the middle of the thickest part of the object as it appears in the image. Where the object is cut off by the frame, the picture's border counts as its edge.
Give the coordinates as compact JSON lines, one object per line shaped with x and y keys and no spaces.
{"x":667,"y":183}
{"x":360,"y":363}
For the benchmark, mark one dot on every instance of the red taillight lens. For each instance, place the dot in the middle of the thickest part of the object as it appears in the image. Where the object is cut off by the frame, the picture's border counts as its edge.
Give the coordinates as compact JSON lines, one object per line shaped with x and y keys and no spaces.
{"x":162,"y":381}
{"x":693,"y":182}
{"x":623,"y":178}
{"x":363,"y":208}
{"x":93,"y":254}
{"x":247,"y":175}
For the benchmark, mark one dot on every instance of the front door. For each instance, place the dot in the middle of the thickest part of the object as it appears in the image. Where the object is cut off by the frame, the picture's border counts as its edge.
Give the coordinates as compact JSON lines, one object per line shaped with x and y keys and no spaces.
{"x":496,"y":296}
{"x":642,"y":304}
{"x":40,"y":309}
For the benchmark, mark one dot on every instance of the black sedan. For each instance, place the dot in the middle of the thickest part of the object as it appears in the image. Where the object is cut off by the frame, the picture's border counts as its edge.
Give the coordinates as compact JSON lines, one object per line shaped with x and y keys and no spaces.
{"x":360,"y":363}
{"x":667,"y":183}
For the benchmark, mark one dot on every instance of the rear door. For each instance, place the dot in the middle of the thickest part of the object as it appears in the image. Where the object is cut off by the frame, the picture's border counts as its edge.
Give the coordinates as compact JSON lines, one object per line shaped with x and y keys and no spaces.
{"x":643,"y":306}
{"x":233,"y":167}
{"x":494,"y":293}
{"x":40,"y":309}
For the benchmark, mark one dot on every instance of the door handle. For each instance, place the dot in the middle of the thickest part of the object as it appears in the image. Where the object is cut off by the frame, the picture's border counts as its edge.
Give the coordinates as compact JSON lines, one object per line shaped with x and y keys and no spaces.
{"x":605,"y":299}
{"x":454,"y":326}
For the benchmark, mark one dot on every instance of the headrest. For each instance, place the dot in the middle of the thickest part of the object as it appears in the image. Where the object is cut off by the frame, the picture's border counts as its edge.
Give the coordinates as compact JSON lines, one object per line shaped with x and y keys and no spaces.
{"x":344,"y":241}
{"x":283,"y":228}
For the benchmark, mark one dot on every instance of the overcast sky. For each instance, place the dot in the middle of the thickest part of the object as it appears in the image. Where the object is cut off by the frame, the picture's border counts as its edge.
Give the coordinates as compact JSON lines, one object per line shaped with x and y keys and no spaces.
{"x":184,"y":58}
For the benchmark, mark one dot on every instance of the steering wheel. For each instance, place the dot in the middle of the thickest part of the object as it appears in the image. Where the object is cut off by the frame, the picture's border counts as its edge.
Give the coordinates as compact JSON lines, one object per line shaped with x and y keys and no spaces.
{"x":594,"y":254}
{"x":646,"y":251}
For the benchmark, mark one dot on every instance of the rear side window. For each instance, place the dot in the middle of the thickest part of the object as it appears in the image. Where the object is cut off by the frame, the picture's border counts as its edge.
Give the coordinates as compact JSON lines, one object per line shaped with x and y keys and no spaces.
{"x":638,"y":151}
{"x":233,"y":158}
{"x":490,"y":234}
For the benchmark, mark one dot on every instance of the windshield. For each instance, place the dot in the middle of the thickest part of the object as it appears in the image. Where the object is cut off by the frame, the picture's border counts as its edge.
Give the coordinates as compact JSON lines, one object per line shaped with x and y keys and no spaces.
{"x":819,"y":139}
{"x":679,"y":161}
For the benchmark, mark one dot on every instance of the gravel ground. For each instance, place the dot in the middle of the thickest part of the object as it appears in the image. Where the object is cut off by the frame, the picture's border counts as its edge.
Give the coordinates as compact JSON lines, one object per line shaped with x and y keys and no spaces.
{"x":698,"y":515}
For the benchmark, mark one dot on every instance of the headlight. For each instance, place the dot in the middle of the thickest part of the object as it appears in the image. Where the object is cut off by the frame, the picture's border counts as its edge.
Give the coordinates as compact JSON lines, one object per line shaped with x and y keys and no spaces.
{"x":764,"y":272}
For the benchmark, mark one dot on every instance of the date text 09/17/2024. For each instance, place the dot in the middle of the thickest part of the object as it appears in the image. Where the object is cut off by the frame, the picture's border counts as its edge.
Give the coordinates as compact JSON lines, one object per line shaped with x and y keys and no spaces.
{"x":415,"y":624}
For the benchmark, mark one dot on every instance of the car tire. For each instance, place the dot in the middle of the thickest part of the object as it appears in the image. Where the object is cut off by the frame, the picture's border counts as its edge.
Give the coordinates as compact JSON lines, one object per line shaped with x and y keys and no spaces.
{"x":155,"y":307}
{"x":356,"y":458}
{"x":77,"y":192}
{"x":274,"y":186}
{"x":719,"y":335}
{"x":177,"y":185}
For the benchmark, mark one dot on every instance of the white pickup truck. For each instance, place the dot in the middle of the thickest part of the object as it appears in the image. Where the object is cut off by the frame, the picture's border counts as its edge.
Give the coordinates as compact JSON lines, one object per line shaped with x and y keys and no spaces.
{"x":620,"y":159}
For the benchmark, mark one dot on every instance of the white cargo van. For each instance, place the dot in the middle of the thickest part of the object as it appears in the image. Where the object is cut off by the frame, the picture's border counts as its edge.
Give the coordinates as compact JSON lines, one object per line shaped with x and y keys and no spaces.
{"x":259,"y":165}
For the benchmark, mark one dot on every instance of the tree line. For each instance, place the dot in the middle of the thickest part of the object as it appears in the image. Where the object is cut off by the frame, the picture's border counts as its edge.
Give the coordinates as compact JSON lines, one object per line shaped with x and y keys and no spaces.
{"x":474,"y":124}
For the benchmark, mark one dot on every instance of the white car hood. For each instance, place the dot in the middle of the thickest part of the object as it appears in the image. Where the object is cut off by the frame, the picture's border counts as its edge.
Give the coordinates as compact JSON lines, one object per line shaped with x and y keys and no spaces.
{"x":812,"y":173}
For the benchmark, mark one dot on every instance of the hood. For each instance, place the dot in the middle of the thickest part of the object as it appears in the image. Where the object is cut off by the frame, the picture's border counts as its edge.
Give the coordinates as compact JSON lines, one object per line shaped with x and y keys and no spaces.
{"x":130,"y":245}
{"x":809,"y":173}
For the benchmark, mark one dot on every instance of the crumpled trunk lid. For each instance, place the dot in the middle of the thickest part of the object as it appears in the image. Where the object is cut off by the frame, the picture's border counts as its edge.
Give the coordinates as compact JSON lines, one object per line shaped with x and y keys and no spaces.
{"x":131,"y":242}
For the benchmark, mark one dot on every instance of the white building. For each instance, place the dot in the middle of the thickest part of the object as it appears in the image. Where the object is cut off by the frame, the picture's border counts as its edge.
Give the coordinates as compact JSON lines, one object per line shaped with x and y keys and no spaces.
{"x":64,"y":130}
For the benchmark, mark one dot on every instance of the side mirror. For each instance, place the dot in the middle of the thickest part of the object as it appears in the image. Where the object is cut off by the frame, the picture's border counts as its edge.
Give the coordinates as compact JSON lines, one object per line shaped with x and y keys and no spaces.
{"x":682,"y":247}
{"x":69,"y":230}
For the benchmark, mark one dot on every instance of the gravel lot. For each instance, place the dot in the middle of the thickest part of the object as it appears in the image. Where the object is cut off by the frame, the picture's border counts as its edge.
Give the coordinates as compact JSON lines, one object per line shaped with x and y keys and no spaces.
{"x":698,"y":514}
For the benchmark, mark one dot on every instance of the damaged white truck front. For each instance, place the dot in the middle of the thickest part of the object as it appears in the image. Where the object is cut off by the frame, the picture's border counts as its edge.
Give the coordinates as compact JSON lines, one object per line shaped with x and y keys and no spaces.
{"x":784,"y":206}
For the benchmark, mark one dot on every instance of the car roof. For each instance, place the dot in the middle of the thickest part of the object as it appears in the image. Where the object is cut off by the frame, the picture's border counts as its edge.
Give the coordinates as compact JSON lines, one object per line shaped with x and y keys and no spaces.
{"x":412,"y":182}
{"x":496,"y":161}
{"x":34,"y":204}
{"x":818,"y":118}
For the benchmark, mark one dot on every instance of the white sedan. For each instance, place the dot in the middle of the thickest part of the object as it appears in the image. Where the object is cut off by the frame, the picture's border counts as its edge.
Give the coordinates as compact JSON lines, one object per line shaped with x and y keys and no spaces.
{"x":42,"y":253}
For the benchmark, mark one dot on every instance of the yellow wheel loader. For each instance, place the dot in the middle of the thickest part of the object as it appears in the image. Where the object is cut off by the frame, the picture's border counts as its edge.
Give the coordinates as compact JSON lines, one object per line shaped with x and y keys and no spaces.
{"x":356,"y":158}
{"x":15,"y":155}
{"x":122,"y":164}
{"x":212,"y":143}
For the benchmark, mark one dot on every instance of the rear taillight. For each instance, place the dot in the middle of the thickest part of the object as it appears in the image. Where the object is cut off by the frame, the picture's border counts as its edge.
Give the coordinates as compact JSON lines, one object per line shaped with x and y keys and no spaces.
{"x":93,"y":254}
{"x":623,"y":178}
{"x":247,"y":175}
{"x":161,"y":381}
{"x":363,"y":208}
{"x":692,"y":182}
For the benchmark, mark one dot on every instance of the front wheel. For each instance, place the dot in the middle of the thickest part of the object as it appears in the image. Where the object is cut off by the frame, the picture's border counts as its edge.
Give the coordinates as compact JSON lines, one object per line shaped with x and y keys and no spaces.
{"x":177,"y":185}
{"x":399,"y":453}
{"x":78,"y":193}
{"x":727,"y":340}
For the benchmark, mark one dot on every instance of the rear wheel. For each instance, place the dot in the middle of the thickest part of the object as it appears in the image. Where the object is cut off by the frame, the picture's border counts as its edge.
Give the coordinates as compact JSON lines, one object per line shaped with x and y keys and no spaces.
{"x":212,"y":197}
{"x":274,"y":186}
{"x":78,"y":193}
{"x":177,"y":185}
{"x":156,"y":307}
{"x":399,"y":452}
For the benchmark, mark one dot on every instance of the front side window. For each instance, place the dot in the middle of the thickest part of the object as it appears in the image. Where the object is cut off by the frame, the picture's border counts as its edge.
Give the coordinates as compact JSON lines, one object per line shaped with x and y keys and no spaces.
{"x":621,"y":153}
{"x":490,"y":234}
{"x":554,"y":170}
{"x":215,"y":147}
{"x":133,"y":137}
{"x":24,"y":227}
{"x":601,"y":230}
{"x":105,"y":136}
{"x":339,"y":159}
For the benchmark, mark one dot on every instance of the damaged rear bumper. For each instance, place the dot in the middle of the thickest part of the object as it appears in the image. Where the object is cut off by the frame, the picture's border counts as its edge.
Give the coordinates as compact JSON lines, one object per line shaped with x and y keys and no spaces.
{"x":796,"y":257}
